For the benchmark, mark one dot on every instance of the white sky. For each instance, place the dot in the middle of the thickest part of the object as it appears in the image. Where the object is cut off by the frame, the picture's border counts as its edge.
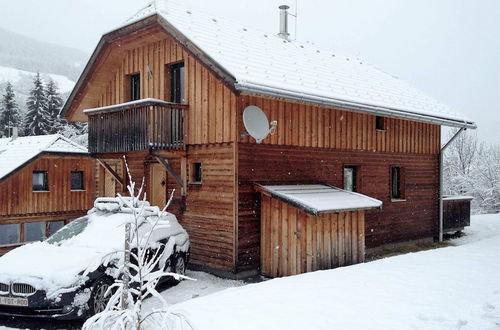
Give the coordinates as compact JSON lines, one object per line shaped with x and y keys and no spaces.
{"x":450,"y":49}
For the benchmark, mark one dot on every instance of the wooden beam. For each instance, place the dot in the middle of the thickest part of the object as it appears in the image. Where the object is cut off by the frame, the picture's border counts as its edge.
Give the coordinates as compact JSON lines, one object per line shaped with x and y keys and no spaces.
{"x":171,"y":171}
{"x":111,"y":171}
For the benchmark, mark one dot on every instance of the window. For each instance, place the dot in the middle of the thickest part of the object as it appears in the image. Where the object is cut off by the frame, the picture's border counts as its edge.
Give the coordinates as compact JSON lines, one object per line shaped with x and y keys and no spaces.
{"x":40,"y":181}
{"x":177,"y":83}
{"x":77,"y":180}
{"x":197,"y":173}
{"x":10,"y":234}
{"x":34,"y":231}
{"x":350,"y":178}
{"x":55,"y":226}
{"x":135,"y":87}
{"x":396,"y":182}
{"x":379,"y":123}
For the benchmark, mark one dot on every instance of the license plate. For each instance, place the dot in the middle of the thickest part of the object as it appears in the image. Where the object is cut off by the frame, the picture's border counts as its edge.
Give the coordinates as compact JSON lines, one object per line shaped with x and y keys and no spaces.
{"x":13,"y":301}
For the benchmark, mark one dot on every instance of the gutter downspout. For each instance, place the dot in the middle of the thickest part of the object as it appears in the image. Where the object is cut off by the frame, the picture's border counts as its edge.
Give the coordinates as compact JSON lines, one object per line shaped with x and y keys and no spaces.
{"x":441,"y":155}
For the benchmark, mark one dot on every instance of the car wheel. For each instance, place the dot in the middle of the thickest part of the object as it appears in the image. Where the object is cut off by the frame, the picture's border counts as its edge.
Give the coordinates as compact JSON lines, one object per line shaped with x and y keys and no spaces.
{"x":180,"y":265}
{"x":98,"y":298}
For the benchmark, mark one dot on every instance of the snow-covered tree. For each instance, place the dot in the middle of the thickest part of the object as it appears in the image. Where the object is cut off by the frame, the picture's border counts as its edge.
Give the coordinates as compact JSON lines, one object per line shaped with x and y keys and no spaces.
{"x":37,"y":119}
{"x":471,"y":168}
{"x":53,"y":106}
{"x":141,"y":268}
{"x":9,"y":111}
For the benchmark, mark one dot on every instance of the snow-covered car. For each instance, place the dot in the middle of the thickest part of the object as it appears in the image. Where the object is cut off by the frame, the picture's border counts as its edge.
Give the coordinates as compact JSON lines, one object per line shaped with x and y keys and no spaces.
{"x":67,"y":275}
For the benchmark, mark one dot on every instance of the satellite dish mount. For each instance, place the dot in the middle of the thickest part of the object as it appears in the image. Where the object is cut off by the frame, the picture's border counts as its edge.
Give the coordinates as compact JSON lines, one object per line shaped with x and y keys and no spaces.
{"x":257,"y":124}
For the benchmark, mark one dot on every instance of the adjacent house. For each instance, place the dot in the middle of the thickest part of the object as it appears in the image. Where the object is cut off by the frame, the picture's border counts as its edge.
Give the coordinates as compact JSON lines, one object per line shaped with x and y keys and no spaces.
{"x":353,"y":161}
{"x":44,"y":182}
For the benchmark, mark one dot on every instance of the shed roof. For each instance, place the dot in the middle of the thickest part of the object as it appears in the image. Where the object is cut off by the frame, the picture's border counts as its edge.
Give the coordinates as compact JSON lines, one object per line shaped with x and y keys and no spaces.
{"x":264,"y":63}
{"x":14,"y":153}
{"x":318,"y":198}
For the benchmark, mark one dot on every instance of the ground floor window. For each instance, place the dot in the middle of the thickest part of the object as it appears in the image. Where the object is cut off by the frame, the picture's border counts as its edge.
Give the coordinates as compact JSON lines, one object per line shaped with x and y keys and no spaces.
{"x":10,"y":234}
{"x":350,"y":178}
{"x":397,"y":183}
{"x":54,"y":226}
{"x":34,"y":231}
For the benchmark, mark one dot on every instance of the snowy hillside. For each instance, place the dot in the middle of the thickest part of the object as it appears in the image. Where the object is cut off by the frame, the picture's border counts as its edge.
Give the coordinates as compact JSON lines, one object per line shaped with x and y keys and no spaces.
{"x":23,"y":79}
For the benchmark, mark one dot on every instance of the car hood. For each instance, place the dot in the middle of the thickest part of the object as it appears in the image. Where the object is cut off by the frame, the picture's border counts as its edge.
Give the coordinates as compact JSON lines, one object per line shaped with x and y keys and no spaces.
{"x":49,"y":267}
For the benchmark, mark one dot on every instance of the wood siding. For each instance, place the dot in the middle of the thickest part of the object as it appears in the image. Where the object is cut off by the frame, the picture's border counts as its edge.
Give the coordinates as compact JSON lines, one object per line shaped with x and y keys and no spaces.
{"x":294,"y":242}
{"x":306,"y":125}
{"x":211,"y":116}
{"x":17,"y":199}
{"x":413,"y":218}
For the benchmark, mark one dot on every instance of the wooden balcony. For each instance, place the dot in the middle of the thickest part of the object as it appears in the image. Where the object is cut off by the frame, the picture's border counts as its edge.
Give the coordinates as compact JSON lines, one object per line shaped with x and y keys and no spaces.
{"x":134,"y":126}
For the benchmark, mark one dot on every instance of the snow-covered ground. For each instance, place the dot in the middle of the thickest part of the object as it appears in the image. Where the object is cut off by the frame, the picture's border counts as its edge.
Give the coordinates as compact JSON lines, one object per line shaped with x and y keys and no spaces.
{"x":456,"y":287}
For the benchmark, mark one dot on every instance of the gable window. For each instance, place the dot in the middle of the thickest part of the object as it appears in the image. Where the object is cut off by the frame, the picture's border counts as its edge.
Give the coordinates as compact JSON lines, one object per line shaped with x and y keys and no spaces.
{"x":177,"y":93}
{"x":40,"y":181}
{"x":196,"y":173}
{"x":380,"y":123}
{"x":350,"y":178}
{"x":135,"y":87}
{"x":397,"y":191}
{"x":77,"y":180}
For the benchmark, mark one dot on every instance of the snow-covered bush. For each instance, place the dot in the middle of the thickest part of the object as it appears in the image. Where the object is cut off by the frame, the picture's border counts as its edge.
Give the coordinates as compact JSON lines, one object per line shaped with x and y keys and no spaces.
{"x":140,"y":270}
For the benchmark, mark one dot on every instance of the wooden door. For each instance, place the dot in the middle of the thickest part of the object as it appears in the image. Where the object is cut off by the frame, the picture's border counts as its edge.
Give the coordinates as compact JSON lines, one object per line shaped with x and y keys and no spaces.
{"x":158,"y":185}
{"x":109,"y":183}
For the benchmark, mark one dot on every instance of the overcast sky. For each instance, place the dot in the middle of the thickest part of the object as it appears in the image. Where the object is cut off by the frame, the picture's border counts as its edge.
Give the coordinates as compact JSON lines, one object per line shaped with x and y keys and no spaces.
{"x":450,"y":49}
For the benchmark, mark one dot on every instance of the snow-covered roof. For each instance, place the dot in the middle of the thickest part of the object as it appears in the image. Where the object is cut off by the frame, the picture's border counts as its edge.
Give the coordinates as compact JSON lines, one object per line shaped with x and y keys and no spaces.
{"x":317,"y":198}
{"x":267,"y":64}
{"x":14,"y":153}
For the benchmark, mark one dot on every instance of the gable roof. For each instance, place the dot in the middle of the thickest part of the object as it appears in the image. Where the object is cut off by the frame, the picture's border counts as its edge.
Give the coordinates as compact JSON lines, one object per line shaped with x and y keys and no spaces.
{"x":263,"y":63}
{"x":317,"y":199}
{"x":15,"y":153}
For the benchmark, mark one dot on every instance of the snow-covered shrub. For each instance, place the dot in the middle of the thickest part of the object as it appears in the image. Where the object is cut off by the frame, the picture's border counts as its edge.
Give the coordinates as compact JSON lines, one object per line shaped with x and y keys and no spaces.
{"x":140,"y":270}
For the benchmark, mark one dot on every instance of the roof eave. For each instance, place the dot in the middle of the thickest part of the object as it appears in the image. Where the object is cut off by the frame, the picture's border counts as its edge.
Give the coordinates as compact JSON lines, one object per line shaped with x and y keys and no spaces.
{"x":353,"y":106}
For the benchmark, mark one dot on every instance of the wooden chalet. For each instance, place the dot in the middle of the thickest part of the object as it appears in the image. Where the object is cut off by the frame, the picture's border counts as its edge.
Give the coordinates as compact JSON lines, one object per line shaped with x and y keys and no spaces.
{"x":168,"y":89}
{"x":44,"y":182}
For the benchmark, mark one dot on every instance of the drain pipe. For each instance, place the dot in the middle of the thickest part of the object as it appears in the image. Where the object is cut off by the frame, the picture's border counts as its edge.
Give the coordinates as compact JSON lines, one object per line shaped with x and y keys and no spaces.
{"x":441,"y":156}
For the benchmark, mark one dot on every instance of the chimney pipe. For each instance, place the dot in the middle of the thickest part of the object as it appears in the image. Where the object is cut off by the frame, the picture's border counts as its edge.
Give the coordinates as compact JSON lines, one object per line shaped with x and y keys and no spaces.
{"x":284,"y":22}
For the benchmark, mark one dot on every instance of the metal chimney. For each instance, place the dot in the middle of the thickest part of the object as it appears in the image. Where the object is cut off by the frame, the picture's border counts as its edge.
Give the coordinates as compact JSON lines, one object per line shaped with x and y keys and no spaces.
{"x":284,"y":22}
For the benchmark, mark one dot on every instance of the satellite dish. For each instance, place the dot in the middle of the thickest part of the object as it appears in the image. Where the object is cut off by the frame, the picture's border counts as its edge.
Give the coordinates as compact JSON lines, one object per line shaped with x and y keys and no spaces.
{"x":257,"y":124}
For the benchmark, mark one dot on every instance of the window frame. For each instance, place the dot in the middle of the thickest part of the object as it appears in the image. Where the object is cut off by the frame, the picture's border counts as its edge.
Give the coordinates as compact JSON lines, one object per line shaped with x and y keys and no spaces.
{"x":172,"y":78}
{"x":401,"y":183}
{"x":194,"y":171}
{"x":45,"y":187}
{"x":82,"y":181}
{"x":355,"y":179}
{"x":129,"y":87}
{"x":380,"y":123}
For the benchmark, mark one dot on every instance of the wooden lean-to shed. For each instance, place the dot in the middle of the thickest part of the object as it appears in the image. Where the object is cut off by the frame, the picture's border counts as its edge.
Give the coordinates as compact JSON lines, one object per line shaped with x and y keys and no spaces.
{"x":310,"y":227}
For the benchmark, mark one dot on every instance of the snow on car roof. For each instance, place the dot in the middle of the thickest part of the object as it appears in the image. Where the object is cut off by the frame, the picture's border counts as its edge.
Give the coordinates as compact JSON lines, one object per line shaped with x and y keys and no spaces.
{"x":14,"y":153}
{"x":317,"y":198}
{"x":265,"y":63}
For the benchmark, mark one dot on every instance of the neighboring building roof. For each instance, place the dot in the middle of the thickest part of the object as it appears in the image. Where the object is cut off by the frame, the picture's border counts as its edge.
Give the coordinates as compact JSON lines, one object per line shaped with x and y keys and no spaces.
{"x":317,"y":198}
{"x":15,"y":153}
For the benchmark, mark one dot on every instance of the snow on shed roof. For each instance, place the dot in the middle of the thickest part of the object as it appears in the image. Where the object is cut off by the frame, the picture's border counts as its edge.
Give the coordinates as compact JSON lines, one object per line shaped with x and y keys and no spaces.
{"x":265,"y":63}
{"x":318,"y":198}
{"x":14,"y":153}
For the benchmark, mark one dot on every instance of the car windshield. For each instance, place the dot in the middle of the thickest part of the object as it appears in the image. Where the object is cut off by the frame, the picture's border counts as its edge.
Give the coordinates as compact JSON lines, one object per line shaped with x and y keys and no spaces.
{"x":72,"y":229}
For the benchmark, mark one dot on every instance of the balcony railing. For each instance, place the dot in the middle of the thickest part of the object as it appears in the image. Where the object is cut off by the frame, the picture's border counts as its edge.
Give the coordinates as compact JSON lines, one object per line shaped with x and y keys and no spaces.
{"x":138,"y":125}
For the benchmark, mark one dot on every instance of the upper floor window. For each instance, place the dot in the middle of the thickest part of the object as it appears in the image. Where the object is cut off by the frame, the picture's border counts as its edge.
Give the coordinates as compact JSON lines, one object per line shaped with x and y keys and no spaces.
{"x":350,"y":178}
{"x":380,"y":123}
{"x":177,"y":93}
{"x":135,"y":87}
{"x":77,"y":180}
{"x":40,"y":181}
{"x":397,"y":180}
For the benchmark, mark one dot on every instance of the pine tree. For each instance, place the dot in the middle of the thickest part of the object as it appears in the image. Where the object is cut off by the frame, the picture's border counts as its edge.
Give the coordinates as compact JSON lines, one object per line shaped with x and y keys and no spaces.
{"x":9,"y":114}
{"x":37,"y":119}
{"x":54,"y":104}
